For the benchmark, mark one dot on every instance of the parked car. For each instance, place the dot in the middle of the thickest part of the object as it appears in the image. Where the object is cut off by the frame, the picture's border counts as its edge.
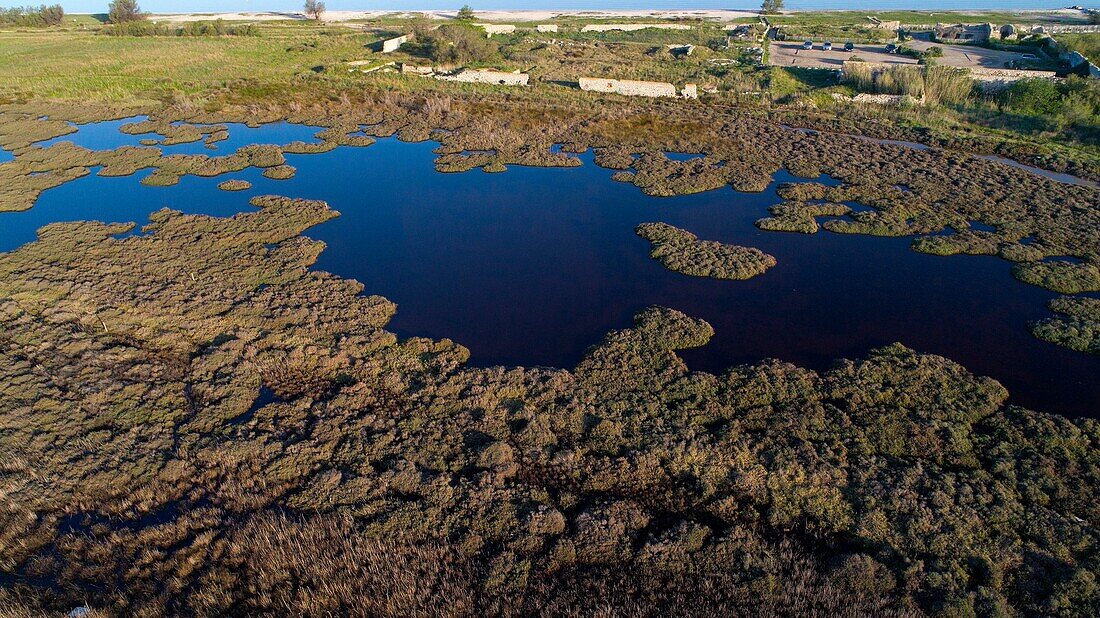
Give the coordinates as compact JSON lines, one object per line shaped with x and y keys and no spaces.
{"x":808,"y":45}
{"x":891,"y":48}
{"x":849,"y":46}
{"x":828,"y":46}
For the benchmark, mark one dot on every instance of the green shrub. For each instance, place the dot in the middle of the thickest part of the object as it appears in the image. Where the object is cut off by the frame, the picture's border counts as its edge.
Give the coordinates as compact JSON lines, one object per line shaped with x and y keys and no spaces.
{"x":1037,"y":97}
{"x":457,"y":44}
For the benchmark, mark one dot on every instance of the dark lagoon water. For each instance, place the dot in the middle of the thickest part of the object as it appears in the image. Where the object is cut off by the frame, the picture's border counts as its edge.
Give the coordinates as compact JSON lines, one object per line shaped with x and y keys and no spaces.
{"x":532,"y":266}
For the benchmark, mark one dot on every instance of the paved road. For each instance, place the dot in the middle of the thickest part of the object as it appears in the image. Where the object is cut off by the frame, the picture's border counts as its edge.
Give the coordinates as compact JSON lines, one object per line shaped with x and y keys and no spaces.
{"x":969,"y":55}
{"x":790,"y":53}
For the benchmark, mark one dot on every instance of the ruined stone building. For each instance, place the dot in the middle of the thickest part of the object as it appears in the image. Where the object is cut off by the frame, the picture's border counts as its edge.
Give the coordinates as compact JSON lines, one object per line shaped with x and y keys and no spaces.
{"x":963,"y":33}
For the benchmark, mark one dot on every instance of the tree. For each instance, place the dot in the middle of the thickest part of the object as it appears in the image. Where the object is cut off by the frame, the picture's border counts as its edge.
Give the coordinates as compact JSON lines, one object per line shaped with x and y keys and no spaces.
{"x":465,"y":13}
{"x":314,"y":8}
{"x":771,"y":6}
{"x":122,"y":11}
{"x":52,"y":15}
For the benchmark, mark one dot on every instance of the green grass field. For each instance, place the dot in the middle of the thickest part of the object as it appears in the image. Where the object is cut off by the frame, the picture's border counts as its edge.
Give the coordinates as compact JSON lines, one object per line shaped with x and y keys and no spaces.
{"x":87,"y":65}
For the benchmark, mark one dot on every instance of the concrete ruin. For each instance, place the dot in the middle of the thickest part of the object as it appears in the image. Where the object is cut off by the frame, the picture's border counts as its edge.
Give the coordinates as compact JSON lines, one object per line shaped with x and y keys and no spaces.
{"x":412,"y":69}
{"x":356,"y":64}
{"x":491,"y":29}
{"x":742,"y":31}
{"x":634,"y":88}
{"x":392,"y":45}
{"x":632,"y":27}
{"x":680,"y":50}
{"x":892,"y":25}
{"x":1078,"y":62}
{"x":546,"y":28}
{"x":487,"y":76}
{"x":963,"y":33}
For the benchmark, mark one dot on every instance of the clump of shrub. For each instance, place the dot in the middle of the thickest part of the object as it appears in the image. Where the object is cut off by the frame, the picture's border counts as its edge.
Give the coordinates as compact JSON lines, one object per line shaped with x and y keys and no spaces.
{"x":681,"y":251}
{"x":280,"y":172}
{"x":800,"y":217}
{"x":33,"y":16}
{"x":1077,"y":326}
{"x":216,"y":27}
{"x":234,"y":185}
{"x":1060,"y":275}
{"x":1073,"y":103}
{"x":456,"y":44}
{"x":931,"y":84}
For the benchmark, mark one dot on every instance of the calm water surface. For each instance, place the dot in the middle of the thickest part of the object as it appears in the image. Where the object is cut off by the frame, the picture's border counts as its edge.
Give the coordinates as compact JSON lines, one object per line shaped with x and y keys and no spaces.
{"x":532,"y":266}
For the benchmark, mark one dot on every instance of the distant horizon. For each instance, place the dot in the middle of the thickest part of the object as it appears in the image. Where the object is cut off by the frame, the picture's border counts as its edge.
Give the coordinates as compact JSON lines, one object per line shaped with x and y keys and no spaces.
{"x":254,"y":6}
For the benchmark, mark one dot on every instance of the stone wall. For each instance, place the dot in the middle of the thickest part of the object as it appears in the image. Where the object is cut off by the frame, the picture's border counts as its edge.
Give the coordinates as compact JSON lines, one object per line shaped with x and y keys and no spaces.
{"x":632,"y":27}
{"x":487,"y":76}
{"x":546,"y":28}
{"x":491,"y":29}
{"x":629,"y":87}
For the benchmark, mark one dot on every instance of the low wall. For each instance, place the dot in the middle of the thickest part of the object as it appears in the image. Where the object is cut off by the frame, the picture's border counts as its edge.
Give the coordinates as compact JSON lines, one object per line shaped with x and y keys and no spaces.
{"x":412,"y":69}
{"x":981,"y":74}
{"x":632,"y":27}
{"x":546,"y":28}
{"x":1008,"y":75}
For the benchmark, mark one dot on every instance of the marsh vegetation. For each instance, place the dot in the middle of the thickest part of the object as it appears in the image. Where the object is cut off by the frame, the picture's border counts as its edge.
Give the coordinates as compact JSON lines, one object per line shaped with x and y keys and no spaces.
{"x":142,"y":445}
{"x":194,"y":420}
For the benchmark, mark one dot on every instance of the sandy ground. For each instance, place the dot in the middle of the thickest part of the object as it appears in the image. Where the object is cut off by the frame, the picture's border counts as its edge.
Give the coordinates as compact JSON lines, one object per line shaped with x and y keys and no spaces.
{"x":790,"y":53}
{"x":496,"y":16}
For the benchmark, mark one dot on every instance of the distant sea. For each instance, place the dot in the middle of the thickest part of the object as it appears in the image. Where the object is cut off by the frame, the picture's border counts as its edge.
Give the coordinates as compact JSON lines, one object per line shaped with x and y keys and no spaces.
{"x":926,"y":5}
{"x":801,"y":5}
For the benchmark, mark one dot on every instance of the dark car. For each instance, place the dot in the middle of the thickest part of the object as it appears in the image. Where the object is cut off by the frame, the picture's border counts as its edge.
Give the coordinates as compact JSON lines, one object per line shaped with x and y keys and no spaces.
{"x":891,"y":48}
{"x":849,"y":46}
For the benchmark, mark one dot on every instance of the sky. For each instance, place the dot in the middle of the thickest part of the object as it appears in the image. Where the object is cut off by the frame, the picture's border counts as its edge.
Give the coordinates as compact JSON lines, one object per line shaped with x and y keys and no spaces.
{"x":212,"y":6}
